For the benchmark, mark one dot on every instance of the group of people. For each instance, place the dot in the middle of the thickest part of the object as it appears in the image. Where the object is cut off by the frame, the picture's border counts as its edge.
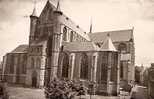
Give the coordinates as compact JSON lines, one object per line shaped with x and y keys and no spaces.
{"x":64,"y":89}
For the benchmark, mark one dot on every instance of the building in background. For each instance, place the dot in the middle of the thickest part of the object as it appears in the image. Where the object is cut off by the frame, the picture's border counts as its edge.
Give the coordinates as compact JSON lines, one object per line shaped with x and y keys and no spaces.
{"x":139,"y":74}
{"x":58,"y":48}
{"x":151,"y":81}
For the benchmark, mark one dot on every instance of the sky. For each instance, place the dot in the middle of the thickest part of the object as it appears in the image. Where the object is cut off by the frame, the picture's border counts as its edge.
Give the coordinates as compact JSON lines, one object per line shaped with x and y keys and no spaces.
{"x":106,"y":15}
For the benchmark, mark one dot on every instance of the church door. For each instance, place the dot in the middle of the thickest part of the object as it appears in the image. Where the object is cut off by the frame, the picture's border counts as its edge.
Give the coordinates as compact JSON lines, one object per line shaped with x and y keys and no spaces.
{"x":34,"y":79}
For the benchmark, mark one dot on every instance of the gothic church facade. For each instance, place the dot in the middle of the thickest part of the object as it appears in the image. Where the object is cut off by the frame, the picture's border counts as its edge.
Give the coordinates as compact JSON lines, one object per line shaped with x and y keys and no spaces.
{"x":58,"y":48}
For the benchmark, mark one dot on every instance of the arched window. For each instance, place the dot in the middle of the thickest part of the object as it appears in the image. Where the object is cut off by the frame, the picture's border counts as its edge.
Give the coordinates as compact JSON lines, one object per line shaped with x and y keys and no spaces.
{"x":64,"y":34}
{"x":84,"y":66}
{"x":71,"y":36}
{"x":24,"y":64}
{"x":32,"y":63}
{"x":104,"y":66}
{"x":65,"y":65}
{"x":38,"y":63}
{"x":121,"y":69}
{"x":122,"y":47}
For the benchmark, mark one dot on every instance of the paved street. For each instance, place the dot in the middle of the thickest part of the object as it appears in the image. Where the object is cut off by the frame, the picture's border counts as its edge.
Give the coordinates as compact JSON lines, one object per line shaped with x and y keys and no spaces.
{"x":141,"y":93}
{"x":25,"y":93}
{"x":28,"y":93}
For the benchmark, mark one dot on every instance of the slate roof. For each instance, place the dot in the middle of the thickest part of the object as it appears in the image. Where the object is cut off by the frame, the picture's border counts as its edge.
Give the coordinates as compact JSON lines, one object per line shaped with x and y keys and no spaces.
{"x":21,"y":49}
{"x":116,"y":36}
{"x":108,"y":45}
{"x":80,"y":46}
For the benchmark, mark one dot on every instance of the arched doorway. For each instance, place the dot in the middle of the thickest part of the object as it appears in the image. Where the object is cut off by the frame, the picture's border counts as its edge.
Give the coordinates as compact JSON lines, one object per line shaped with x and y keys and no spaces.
{"x":34,"y":79}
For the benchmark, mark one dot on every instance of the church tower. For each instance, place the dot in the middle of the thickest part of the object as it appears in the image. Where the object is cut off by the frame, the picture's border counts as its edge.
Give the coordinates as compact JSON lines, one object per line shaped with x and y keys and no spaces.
{"x":54,"y":44}
{"x":33,"y":23}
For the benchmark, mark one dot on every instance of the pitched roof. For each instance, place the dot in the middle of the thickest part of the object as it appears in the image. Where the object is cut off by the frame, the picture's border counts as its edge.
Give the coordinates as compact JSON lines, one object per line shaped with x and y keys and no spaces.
{"x":108,"y":45}
{"x":116,"y":36}
{"x":21,"y":49}
{"x":80,"y":46}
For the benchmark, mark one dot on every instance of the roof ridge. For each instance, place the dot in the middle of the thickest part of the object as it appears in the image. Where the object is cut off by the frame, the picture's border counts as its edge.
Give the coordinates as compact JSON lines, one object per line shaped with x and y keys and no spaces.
{"x":113,"y":31}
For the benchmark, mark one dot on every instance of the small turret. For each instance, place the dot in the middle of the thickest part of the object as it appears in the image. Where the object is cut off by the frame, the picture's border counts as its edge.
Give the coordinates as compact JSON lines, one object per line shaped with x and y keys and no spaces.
{"x":33,"y":23}
{"x":108,"y":45}
{"x":34,"y":13}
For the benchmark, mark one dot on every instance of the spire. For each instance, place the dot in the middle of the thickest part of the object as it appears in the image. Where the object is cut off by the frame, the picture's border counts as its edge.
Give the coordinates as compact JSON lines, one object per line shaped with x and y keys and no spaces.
{"x":108,"y":45}
{"x":34,"y":10}
{"x":58,"y":6}
{"x":58,"y":10}
{"x":91,"y":26}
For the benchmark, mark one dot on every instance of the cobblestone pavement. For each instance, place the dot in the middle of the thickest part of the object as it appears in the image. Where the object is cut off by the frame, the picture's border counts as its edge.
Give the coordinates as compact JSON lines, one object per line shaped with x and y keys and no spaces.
{"x":25,"y":93}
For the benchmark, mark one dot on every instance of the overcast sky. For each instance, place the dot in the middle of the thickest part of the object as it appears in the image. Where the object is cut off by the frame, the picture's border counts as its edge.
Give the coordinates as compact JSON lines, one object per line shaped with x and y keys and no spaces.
{"x":106,"y":15}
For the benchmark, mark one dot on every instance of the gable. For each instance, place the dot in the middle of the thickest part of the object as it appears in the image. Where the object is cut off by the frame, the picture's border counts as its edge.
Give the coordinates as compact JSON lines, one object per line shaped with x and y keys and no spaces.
{"x":45,"y":21}
{"x":46,"y":15}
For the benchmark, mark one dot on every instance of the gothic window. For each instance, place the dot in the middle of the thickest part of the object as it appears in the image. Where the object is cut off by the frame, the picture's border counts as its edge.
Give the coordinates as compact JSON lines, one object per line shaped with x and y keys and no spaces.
{"x":12,"y":58}
{"x":65,"y":65}
{"x":104,"y":67}
{"x":64,"y":34}
{"x":71,"y":36}
{"x":51,"y":14}
{"x":24,"y":64}
{"x":50,"y":30}
{"x":38,"y":63}
{"x":114,"y":64}
{"x":32,"y":63}
{"x":121,"y":69}
{"x":84,"y":66}
{"x":93,"y":61}
{"x":122,"y":47}
{"x":38,"y":50}
{"x":49,"y":46}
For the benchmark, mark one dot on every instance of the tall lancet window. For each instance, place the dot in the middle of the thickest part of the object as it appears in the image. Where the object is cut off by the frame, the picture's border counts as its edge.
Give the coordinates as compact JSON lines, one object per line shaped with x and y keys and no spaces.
{"x":122,"y":47}
{"x":71,"y":36}
{"x":24,"y":64}
{"x":64,"y":34}
{"x":38,"y":63}
{"x":84,"y":66}
{"x":104,"y":66}
{"x":32,"y":63}
{"x":65,"y":65}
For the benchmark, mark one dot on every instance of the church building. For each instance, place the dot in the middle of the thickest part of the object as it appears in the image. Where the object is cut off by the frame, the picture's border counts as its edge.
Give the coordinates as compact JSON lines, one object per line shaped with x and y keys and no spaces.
{"x":58,"y":48}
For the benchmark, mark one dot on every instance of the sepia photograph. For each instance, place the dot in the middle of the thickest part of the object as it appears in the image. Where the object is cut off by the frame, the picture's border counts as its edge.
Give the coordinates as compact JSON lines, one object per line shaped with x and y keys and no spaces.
{"x":77,"y":49}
